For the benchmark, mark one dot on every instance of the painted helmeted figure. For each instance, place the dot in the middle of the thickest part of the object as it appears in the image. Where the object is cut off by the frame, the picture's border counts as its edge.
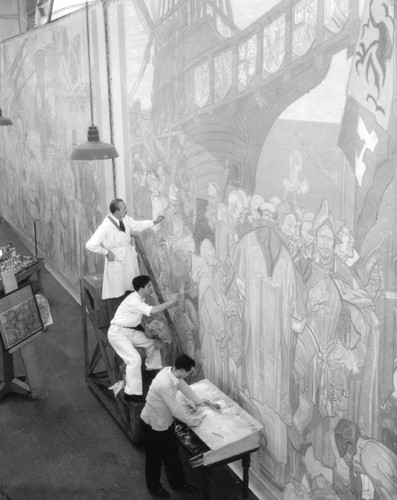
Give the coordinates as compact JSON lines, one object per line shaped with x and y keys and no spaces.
{"x":338,"y":344}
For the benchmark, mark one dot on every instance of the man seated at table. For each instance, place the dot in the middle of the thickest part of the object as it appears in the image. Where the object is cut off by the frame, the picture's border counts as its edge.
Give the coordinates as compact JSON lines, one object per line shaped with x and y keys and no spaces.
{"x":126,"y":333}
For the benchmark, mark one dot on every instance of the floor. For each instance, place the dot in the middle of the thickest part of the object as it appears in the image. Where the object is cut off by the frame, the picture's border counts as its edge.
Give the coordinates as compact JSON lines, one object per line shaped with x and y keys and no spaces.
{"x":60,"y":443}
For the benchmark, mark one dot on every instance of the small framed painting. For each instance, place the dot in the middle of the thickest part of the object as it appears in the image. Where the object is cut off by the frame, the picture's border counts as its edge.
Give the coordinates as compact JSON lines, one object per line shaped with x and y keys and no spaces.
{"x":20,"y":319}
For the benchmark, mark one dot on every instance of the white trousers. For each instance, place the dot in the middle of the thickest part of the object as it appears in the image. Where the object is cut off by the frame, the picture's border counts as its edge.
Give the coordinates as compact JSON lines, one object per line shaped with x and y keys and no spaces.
{"x":124,"y":340}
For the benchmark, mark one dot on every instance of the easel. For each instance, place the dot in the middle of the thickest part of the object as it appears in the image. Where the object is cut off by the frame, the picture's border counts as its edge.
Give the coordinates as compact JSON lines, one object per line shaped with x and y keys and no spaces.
{"x":10,"y":383}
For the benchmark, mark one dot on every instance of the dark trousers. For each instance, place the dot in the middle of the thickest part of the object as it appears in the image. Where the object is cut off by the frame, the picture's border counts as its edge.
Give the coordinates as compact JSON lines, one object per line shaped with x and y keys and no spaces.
{"x":162,"y":447}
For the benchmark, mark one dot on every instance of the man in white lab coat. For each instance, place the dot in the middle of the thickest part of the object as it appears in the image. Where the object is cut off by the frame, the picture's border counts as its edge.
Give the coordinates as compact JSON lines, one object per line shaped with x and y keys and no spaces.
{"x":112,"y":239}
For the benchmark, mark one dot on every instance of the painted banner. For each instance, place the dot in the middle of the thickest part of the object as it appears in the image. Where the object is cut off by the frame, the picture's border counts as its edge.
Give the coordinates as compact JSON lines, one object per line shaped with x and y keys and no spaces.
{"x":371,"y":77}
{"x":364,"y":135}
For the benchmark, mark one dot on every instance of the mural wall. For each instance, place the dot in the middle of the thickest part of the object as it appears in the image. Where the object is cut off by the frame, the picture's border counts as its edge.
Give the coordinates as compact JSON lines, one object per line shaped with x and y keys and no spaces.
{"x":45,"y":89}
{"x":267,"y":140}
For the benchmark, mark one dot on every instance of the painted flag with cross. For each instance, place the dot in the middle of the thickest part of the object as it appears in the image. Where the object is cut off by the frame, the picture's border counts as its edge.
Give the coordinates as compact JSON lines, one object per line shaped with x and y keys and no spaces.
{"x":366,"y":136}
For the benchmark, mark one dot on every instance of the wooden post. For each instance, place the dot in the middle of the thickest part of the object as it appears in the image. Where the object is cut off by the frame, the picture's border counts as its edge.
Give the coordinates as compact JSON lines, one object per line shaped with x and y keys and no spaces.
{"x":9,"y":382}
{"x":246,"y":460}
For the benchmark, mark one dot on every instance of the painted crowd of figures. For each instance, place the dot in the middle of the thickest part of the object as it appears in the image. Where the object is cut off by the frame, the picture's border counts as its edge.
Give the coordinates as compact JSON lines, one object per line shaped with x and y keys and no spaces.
{"x":279,"y":311}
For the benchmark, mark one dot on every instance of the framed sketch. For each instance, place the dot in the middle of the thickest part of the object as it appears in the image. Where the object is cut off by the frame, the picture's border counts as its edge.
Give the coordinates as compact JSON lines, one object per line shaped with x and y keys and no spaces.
{"x":20,"y":319}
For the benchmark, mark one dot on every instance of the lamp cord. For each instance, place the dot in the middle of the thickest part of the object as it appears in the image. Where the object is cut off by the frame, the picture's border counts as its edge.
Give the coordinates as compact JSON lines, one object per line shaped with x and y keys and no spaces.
{"x":89,"y":62}
{"x":109,"y":83}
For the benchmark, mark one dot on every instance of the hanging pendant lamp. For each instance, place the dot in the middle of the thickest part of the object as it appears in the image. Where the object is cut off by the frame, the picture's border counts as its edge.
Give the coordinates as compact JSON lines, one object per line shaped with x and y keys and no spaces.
{"x":93,"y":149}
{"x":4,"y":120}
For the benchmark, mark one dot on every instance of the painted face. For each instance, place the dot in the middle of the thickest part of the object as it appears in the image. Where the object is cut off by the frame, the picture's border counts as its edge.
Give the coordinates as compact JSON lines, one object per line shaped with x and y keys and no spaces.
{"x":238,"y":211}
{"x":325,"y":243}
{"x":254,"y":213}
{"x":349,"y":455}
{"x":267,"y":214}
{"x":211,"y":255}
{"x":347,"y":242}
{"x":153,"y":184}
{"x":173,"y":206}
{"x":289,"y":225}
{"x":305,"y":228}
{"x":213,"y":199}
{"x":160,"y":170}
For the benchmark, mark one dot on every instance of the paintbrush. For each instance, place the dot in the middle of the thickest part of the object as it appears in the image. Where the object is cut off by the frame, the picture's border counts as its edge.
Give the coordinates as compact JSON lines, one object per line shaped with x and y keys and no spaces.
{"x":213,"y":406}
{"x":187,"y":291}
{"x":218,"y":435}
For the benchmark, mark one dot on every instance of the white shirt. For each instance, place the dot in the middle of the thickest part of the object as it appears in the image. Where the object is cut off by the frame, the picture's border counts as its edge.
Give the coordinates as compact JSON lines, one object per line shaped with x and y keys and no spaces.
{"x":161,"y":405}
{"x":131,"y":310}
{"x":116,"y":221}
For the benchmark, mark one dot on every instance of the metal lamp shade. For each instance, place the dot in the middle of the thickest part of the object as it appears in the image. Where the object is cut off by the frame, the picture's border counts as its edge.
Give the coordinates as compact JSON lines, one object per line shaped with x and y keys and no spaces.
{"x":94,"y":149}
{"x":4,"y":120}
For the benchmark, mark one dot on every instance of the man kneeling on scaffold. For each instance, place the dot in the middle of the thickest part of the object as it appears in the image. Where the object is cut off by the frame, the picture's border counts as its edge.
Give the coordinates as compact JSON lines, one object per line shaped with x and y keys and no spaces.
{"x":126,"y":333}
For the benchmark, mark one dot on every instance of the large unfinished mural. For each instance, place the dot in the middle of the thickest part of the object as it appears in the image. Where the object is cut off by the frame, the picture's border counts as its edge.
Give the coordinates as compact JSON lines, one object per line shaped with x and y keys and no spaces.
{"x":265,"y":134}
{"x":279,"y":224}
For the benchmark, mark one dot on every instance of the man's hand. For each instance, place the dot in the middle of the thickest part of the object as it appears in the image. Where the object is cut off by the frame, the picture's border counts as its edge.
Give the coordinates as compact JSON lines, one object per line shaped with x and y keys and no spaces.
{"x":173,"y":299}
{"x":213,"y":406}
{"x":158,"y":343}
{"x":110,"y":256}
{"x":210,"y":404}
{"x":192,"y":405}
{"x":158,"y":220}
{"x":197,"y":421}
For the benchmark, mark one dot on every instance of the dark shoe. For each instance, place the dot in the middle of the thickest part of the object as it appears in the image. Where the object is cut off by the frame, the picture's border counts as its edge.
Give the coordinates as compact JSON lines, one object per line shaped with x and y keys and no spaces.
{"x":137,"y":398}
{"x":188,"y":488}
{"x":160,"y":492}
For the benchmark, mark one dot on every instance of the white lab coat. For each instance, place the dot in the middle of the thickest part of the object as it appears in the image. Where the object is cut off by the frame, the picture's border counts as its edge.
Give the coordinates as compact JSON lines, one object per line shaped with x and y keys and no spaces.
{"x":117,"y":275}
